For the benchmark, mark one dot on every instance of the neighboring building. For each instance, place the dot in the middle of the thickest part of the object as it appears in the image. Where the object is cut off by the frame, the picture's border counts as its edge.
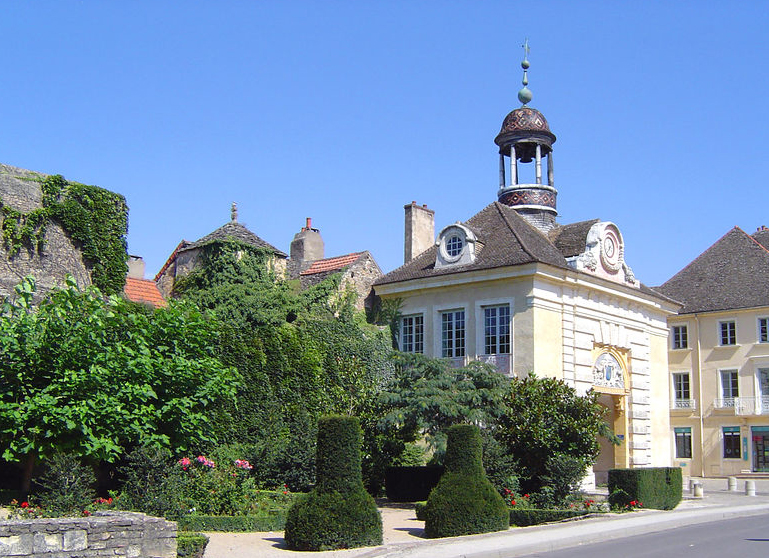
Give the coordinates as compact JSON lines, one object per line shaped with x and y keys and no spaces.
{"x":309,"y":265}
{"x":20,"y":191}
{"x":186,"y":255}
{"x":719,"y":358}
{"x":512,"y":287}
{"x":141,"y":290}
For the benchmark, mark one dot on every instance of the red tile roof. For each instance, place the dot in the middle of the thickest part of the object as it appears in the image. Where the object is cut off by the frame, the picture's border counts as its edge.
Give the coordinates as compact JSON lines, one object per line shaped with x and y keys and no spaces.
{"x":332,"y":264}
{"x":144,"y":291}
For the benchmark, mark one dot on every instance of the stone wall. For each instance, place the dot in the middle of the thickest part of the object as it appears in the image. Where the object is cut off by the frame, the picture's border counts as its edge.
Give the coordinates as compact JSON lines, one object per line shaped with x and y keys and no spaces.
{"x":120,"y":534}
{"x":20,"y":190}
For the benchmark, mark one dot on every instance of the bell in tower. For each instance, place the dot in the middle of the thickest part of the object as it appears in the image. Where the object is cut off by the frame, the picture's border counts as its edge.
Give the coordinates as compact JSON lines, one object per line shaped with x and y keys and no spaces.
{"x":525,"y":138}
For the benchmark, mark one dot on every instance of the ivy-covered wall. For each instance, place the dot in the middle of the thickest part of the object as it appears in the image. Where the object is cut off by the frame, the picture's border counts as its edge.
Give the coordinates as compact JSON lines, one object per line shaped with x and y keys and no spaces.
{"x":52,"y":227}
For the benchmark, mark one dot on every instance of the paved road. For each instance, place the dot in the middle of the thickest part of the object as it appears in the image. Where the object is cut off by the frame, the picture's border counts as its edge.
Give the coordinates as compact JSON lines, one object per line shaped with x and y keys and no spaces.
{"x":746,"y":537}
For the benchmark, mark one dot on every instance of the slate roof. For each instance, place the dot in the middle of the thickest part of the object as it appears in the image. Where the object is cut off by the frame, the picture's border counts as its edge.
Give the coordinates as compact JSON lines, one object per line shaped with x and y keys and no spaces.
{"x":733,"y":273}
{"x":504,"y":239}
{"x":570,"y":239}
{"x":762,"y":235}
{"x":143,"y":291}
{"x":236,"y":231}
{"x":332,"y":264}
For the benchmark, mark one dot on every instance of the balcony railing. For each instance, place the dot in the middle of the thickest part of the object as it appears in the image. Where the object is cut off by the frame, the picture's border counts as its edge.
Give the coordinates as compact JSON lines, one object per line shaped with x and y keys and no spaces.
{"x":744,"y":405}
{"x":502,"y":362}
{"x":684,"y":404}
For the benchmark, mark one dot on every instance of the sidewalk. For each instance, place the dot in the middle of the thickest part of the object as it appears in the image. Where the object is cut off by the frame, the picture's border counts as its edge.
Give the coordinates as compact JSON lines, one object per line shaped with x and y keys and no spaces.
{"x":403,"y":533}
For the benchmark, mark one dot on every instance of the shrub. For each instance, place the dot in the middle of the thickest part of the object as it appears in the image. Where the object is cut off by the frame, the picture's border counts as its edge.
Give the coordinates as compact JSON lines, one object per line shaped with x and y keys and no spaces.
{"x":66,"y":486}
{"x":654,"y":487}
{"x":411,"y":484}
{"x":338,"y":513}
{"x":563,"y":474}
{"x":464,"y":501}
{"x":191,"y":545}
{"x":268,"y":520}
{"x":419,"y":510}
{"x":153,"y":484}
{"x":525,"y":517}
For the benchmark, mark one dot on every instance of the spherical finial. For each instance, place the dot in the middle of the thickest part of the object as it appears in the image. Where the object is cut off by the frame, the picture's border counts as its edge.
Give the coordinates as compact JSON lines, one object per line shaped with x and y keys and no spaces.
{"x":524,"y":95}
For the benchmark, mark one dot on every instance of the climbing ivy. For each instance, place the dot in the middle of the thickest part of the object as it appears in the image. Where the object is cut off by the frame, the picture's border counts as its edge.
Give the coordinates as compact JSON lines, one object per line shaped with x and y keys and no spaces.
{"x":96,"y":219}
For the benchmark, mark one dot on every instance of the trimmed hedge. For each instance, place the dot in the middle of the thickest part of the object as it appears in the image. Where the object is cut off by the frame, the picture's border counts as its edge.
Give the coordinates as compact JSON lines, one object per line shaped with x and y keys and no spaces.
{"x":419,"y":510}
{"x":464,"y":502}
{"x":524,"y":518}
{"x":332,"y":520}
{"x":191,"y":545}
{"x":270,"y":520}
{"x":338,"y":513}
{"x":654,"y":487}
{"x":411,"y":484}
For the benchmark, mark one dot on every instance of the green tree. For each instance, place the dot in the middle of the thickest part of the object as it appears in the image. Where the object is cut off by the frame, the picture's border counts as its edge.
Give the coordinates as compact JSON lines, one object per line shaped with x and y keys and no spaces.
{"x":552,"y":433}
{"x":426,"y":395}
{"x":90,"y":376}
{"x":301,"y":355}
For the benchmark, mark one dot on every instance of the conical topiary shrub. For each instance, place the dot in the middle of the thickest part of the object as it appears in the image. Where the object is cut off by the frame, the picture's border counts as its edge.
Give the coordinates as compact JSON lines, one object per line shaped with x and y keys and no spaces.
{"x":464,"y":502}
{"x":338,"y":513}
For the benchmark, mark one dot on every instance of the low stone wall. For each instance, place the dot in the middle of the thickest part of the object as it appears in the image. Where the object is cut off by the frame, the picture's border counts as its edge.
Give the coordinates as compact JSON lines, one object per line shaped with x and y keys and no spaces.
{"x":122,"y":534}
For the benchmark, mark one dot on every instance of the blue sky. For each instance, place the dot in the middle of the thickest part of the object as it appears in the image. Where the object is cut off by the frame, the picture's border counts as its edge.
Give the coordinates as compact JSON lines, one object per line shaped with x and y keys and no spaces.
{"x":346,"y":111}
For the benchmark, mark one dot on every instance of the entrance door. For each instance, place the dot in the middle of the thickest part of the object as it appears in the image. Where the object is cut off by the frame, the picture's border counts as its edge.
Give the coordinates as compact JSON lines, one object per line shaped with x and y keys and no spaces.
{"x":760,"y":449}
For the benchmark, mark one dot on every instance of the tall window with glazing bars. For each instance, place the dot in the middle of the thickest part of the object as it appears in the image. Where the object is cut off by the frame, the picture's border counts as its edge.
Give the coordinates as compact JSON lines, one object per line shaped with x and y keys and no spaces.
{"x":453,"y":334}
{"x":413,"y":334}
{"x":496,"y":324}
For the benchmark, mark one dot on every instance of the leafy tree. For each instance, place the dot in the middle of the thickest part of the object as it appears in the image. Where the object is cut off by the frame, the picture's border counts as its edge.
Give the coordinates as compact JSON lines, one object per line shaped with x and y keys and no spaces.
{"x":301,"y":355}
{"x":426,"y":395}
{"x":420,"y":400}
{"x":552,"y":433}
{"x":91,"y":376}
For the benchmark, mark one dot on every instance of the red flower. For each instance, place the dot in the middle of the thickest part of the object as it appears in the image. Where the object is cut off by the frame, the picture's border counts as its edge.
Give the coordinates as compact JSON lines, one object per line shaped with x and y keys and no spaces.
{"x":25,"y":504}
{"x":86,"y":513}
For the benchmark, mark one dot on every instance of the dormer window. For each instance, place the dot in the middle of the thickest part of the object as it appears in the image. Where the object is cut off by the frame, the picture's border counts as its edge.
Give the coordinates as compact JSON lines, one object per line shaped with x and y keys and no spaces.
{"x":456,"y":246}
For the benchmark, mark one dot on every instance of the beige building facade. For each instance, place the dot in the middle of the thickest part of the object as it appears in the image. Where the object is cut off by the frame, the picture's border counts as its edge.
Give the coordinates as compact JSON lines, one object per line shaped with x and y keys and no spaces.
{"x":512,"y":287}
{"x":719,"y":358}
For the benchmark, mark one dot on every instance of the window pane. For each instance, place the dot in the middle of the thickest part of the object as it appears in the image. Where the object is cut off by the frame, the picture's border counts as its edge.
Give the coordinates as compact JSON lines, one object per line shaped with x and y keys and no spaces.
{"x":681,"y":386}
{"x":412,"y":334}
{"x":728,"y":333}
{"x":729,"y":384}
{"x":763,"y":330}
{"x":680,"y":337}
{"x":496,"y":324}
{"x":453,"y":334}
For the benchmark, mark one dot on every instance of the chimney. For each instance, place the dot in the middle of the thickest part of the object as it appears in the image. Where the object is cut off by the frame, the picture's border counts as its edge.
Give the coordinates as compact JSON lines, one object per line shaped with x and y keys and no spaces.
{"x":307,"y":245}
{"x":135,"y":267}
{"x":419,"y":231}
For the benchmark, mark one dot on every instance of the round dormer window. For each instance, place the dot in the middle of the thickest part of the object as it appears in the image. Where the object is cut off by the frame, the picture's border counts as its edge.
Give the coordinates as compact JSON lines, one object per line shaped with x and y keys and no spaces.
{"x":454,"y":245}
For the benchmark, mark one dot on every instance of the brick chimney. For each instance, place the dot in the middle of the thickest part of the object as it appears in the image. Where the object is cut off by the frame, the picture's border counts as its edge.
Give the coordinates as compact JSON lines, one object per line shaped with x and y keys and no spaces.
{"x":419,"y":231}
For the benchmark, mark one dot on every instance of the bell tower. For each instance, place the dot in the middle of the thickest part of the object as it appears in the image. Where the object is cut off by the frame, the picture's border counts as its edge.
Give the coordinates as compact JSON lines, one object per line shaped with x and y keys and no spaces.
{"x":526,"y":138}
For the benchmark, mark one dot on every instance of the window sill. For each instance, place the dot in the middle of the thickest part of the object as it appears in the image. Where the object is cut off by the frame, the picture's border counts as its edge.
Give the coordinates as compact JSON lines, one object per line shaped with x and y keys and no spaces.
{"x":736,"y":345}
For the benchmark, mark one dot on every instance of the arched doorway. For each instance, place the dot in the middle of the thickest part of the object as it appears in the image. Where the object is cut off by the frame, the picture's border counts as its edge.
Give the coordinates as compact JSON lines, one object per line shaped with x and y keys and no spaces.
{"x":610,"y":380}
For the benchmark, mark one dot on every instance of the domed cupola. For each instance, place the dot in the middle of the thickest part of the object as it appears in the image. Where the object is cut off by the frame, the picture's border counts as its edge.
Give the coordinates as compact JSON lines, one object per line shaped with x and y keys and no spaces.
{"x":525,"y":137}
